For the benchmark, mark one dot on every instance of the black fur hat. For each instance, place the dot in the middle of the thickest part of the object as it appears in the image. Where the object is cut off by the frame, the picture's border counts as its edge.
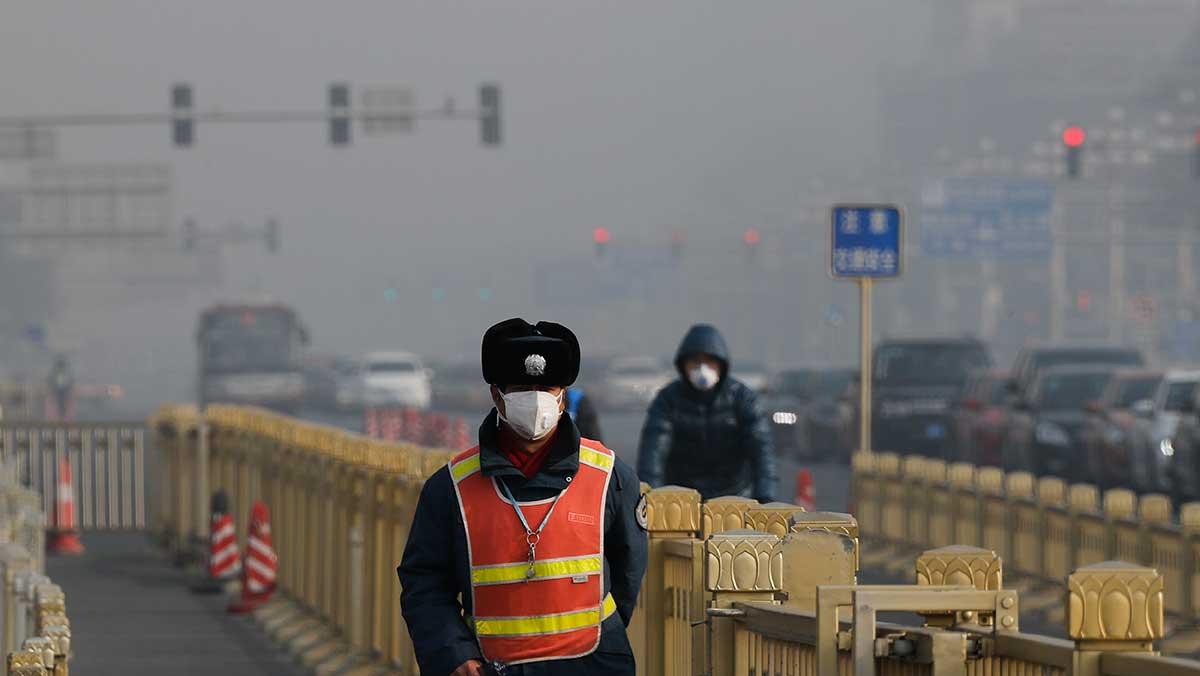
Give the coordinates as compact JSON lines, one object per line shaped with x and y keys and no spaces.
{"x":516,"y":352}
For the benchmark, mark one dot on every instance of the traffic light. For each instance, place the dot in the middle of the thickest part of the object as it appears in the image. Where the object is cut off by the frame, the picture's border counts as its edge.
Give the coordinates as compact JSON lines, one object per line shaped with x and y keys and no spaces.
{"x":183,"y":126}
{"x":677,"y":242}
{"x":271,"y":235}
{"x":339,"y":114}
{"x":489,"y":114}
{"x":1074,"y":138}
{"x":601,"y":237}
{"x":751,"y":238}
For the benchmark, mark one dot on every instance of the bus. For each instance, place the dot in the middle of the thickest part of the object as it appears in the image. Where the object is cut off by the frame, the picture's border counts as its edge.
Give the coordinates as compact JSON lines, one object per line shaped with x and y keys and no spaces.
{"x":251,"y":354}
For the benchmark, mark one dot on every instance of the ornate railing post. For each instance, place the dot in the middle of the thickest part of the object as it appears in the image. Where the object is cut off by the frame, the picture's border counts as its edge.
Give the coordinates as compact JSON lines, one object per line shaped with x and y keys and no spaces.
{"x":725,"y":513}
{"x":821,"y":548}
{"x":672,"y":512}
{"x":1112,"y":607}
{"x":740,"y":565}
{"x":959,"y":565}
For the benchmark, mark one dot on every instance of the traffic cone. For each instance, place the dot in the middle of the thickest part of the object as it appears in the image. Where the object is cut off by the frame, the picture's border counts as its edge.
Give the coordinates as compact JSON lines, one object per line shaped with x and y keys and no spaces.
{"x":392,"y":425}
{"x":439,"y":431}
{"x":223,"y":560}
{"x":805,"y":493}
{"x":462,"y":435}
{"x":371,"y":424}
{"x":258,"y":571}
{"x":64,"y":536}
{"x":413,"y":429}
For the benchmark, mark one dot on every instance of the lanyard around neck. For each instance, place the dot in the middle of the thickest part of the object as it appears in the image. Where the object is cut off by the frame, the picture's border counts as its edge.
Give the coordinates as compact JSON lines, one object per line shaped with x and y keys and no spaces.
{"x":521,"y":515}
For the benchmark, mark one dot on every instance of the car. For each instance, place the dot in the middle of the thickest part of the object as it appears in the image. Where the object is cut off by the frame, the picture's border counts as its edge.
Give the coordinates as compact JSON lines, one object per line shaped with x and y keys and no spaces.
{"x":332,"y":383}
{"x":915,"y":383}
{"x":810,"y":412}
{"x":1110,"y":426}
{"x":1045,"y":424}
{"x":1031,"y":361}
{"x":980,"y":419}
{"x":396,"y":379}
{"x":632,"y":382}
{"x":1153,"y":446}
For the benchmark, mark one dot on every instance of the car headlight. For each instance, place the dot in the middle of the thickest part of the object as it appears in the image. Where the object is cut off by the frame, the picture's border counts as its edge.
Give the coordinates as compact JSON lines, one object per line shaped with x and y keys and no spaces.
{"x":784,"y":418}
{"x":1051,"y":434}
{"x":1166,"y":447}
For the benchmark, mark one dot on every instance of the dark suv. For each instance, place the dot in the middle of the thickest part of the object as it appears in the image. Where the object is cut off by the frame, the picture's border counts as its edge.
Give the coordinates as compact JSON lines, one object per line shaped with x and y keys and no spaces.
{"x":915,"y":384}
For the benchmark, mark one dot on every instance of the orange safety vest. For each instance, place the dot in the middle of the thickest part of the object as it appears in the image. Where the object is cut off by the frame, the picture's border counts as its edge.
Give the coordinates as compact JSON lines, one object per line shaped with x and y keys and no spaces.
{"x":552,"y":608}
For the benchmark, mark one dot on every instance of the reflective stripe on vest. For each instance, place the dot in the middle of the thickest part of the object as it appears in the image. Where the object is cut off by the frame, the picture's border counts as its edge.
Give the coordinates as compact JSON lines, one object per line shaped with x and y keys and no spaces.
{"x":554,"y":611}
{"x":509,"y":627}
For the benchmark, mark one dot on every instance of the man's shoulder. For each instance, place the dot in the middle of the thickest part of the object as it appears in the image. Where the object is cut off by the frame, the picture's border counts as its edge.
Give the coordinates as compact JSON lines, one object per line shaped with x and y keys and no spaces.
{"x":669,"y":392}
{"x":739,"y":390}
{"x":438,"y":484}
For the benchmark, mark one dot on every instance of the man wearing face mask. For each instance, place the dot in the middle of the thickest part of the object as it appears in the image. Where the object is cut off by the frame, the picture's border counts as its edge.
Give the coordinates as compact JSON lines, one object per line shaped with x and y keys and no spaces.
{"x":526,"y":552}
{"x":706,"y":430}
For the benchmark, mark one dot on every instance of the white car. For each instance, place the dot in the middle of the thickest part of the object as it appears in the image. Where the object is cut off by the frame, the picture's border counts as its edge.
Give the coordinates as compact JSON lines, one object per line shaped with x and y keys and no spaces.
{"x":632,"y":382}
{"x":395,"y":379}
{"x":1155,"y":451}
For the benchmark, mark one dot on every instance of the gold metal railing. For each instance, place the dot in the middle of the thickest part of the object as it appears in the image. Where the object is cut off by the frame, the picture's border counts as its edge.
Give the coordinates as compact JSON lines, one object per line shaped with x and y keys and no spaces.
{"x":35,"y":634}
{"x":733,"y":588}
{"x":1044,"y":528}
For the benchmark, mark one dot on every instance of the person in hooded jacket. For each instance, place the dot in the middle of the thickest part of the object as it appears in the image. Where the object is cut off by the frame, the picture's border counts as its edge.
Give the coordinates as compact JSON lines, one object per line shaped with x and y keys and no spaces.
{"x":706,"y":430}
{"x":527,"y":551}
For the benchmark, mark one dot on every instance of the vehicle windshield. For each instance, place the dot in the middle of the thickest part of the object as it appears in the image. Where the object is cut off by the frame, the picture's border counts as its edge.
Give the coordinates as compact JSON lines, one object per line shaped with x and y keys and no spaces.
{"x":1133,"y":390}
{"x":1069,"y":391}
{"x":392,"y":367}
{"x":928,"y":364}
{"x":247,"y":341}
{"x":1179,"y":396}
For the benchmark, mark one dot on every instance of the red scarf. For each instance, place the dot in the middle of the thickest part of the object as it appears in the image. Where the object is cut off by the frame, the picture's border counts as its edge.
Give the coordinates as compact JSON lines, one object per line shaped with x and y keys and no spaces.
{"x":528,"y":463}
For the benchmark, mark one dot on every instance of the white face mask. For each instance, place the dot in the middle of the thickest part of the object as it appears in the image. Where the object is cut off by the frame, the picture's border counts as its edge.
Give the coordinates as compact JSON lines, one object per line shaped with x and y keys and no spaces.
{"x":531,"y":414}
{"x":704,"y":377}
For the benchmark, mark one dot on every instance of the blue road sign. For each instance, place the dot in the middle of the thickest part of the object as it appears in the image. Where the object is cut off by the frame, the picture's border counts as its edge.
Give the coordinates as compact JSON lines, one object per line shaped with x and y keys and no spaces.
{"x":987,"y":218}
{"x":866,"y":241}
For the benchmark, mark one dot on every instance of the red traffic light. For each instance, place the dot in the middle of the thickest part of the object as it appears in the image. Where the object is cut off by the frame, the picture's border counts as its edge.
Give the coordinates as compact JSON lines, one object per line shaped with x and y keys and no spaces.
{"x":752,"y":237}
{"x":1073,"y":137}
{"x":601,"y":235}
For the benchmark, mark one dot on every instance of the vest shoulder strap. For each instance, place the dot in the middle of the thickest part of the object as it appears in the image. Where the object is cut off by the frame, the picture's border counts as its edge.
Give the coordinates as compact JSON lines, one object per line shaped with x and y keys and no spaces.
{"x":596,"y":455}
{"x":464,"y":464}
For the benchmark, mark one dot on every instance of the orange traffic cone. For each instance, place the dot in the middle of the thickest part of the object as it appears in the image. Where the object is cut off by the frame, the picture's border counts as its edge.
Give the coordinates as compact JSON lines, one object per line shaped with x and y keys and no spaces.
{"x":64,"y":536}
{"x":258,"y":571}
{"x":223,"y":560}
{"x":805,"y":494}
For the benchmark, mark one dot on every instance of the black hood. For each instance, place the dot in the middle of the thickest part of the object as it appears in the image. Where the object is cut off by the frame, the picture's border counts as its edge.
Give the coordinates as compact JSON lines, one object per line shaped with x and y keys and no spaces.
{"x":703,"y":339}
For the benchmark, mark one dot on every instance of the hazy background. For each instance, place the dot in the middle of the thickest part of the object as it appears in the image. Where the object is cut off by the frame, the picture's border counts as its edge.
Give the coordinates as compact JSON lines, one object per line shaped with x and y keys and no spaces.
{"x":705,"y":117}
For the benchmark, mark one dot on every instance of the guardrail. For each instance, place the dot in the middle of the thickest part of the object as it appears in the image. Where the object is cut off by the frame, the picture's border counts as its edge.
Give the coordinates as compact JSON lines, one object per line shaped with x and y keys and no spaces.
{"x":733,"y":587}
{"x":35,"y":633}
{"x":1043,"y":527}
{"x":107,"y":462}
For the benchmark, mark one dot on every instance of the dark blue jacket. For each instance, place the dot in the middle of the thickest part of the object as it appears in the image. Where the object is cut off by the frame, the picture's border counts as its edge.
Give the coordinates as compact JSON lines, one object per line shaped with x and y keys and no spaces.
{"x":717,"y":442}
{"x":435,"y":576}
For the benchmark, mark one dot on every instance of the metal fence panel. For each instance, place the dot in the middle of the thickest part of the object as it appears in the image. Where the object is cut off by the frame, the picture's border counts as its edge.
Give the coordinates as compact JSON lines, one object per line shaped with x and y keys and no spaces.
{"x":107,"y":468}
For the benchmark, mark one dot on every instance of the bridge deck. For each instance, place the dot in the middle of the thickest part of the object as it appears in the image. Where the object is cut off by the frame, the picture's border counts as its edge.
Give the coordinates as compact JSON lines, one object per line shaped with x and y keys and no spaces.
{"x":131,"y":613}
